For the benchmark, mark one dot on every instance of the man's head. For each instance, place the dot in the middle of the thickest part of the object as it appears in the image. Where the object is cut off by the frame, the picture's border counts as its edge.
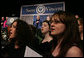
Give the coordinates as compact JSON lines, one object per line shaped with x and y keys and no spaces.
{"x":38,"y":17}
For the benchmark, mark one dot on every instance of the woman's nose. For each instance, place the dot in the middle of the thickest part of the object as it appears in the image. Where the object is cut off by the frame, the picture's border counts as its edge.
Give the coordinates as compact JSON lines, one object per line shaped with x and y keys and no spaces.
{"x":42,"y":26}
{"x":10,"y":28}
{"x":52,"y":24}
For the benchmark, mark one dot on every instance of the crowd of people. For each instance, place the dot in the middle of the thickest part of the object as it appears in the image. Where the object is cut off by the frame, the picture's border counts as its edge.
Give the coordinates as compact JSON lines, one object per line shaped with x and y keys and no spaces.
{"x":60,"y":36}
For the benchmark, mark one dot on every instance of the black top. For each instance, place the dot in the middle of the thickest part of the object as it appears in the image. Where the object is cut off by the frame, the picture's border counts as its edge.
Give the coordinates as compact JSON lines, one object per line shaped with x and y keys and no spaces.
{"x":45,"y":49}
{"x":10,"y":51}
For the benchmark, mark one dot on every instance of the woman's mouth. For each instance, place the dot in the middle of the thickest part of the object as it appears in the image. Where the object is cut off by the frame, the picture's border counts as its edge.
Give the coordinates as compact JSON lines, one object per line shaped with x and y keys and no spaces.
{"x":52,"y":29}
{"x":10,"y":32}
{"x":42,"y":29}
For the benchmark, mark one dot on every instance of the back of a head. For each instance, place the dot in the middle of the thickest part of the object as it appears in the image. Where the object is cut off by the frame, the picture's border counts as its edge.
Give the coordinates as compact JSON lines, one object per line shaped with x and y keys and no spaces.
{"x":23,"y":32}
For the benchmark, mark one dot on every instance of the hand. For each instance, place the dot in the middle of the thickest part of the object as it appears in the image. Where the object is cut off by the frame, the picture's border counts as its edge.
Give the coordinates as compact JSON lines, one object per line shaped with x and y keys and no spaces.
{"x":37,"y":21}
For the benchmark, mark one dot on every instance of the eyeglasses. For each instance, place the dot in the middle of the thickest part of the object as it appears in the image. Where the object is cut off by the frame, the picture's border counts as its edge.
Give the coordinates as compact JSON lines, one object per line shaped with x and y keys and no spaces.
{"x":55,"y":21}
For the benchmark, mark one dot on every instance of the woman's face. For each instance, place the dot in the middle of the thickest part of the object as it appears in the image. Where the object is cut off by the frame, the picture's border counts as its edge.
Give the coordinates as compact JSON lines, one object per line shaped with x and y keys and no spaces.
{"x":45,"y":28}
{"x":80,"y":26}
{"x":13,"y":30}
{"x":57,"y":27}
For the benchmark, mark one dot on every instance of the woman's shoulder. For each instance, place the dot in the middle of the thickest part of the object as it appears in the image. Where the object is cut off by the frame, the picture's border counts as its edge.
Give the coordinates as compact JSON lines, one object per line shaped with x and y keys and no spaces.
{"x":74,"y":51}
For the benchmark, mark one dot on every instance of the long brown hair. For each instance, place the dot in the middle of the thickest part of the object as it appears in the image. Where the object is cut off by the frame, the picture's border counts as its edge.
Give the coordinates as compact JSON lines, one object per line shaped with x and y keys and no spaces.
{"x":71,"y":34}
{"x":23,"y":34}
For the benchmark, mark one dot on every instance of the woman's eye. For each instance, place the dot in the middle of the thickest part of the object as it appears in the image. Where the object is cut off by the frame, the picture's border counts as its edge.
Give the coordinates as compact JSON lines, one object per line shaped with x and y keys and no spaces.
{"x":55,"y":21}
{"x":14,"y":26}
{"x":51,"y":21}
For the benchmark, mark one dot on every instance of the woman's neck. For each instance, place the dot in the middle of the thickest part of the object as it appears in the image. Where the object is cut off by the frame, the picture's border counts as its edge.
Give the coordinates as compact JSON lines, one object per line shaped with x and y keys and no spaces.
{"x":16,"y":45}
{"x":59,"y":38}
{"x":57,"y":48}
{"x":47,"y":38}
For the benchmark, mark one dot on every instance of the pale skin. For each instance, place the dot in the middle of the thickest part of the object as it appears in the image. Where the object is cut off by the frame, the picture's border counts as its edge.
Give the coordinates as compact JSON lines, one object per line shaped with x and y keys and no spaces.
{"x":74,"y":52}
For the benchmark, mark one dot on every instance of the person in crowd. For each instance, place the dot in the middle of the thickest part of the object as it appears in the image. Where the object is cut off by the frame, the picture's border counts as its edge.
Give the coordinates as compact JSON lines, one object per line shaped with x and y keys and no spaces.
{"x":37,"y":23}
{"x":45,"y":31}
{"x":4,"y":32}
{"x":80,"y":23}
{"x":64,"y":29}
{"x":76,"y":16}
{"x":20,"y":36}
{"x":46,"y":43}
{"x":48,"y":18}
{"x":2,"y":22}
{"x":5,"y":23}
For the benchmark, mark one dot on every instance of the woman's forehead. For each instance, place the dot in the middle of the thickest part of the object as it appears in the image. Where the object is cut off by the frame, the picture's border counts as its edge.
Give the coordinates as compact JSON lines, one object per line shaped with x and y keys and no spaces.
{"x":55,"y":18}
{"x":15,"y":23}
{"x":45,"y":23}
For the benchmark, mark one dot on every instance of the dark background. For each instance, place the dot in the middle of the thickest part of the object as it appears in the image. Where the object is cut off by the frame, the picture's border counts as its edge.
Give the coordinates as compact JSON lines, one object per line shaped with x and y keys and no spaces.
{"x":12,"y":7}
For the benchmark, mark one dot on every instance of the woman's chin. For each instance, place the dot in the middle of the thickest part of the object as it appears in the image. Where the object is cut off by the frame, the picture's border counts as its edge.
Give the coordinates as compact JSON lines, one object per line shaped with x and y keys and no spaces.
{"x":11,"y":37}
{"x":52,"y":33}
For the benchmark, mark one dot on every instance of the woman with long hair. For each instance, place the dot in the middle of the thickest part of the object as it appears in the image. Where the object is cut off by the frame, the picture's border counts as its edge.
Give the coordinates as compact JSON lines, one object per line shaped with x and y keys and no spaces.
{"x":65,"y":32}
{"x":20,"y":36}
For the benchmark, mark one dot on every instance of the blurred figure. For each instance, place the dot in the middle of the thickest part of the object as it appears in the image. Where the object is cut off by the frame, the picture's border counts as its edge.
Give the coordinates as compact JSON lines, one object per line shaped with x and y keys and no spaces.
{"x":4,"y":32}
{"x":46,"y":44}
{"x":20,"y":36}
{"x":37,"y":23}
{"x":64,"y":29}
{"x":48,"y":18}
{"x":80,"y":22}
{"x":5,"y":23}
{"x":76,"y":16}
{"x":2,"y":21}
